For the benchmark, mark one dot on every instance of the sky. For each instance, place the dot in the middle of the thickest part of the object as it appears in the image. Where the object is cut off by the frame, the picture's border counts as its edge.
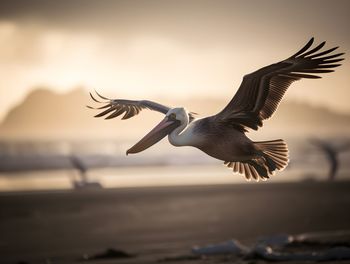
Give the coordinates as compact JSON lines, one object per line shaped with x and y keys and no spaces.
{"x":172,"y":49}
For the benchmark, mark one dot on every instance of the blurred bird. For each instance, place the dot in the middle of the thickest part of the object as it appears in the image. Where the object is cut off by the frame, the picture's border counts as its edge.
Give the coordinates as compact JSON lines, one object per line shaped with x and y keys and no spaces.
{"x":78,"y":164}
{"x":223,"y":136}
{"x":332,"y":153}
{"x":83,"y":182}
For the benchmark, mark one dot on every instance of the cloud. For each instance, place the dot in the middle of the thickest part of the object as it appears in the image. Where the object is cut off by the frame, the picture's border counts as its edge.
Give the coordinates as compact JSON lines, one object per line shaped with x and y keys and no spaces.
{"x":30,"y":57}
{"x":196,"y":22}
{"x":161,"y":48}
{"x":17,"y":44}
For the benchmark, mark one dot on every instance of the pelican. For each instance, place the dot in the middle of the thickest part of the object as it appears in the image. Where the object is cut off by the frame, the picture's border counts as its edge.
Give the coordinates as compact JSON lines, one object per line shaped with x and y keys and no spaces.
{"x":223,"y":136}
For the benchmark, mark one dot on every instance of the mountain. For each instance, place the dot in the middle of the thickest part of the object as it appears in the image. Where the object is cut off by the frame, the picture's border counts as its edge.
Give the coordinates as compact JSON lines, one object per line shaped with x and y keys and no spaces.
{"x":45,"y":114}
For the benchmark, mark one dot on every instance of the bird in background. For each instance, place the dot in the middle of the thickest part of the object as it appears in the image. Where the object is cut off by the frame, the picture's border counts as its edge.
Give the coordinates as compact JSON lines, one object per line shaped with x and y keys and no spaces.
{"x":331,"y":152}
{"x":223,"y":135}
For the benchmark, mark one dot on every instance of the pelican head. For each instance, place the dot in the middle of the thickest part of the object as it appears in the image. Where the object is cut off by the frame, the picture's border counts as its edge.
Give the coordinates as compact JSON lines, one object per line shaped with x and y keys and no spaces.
{"x":179,"y":114}
{"x":174,"y":118}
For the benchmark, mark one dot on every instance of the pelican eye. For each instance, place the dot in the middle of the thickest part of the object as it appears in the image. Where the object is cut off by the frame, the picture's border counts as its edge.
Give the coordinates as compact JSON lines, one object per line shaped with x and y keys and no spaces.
{"x":172,"y":116}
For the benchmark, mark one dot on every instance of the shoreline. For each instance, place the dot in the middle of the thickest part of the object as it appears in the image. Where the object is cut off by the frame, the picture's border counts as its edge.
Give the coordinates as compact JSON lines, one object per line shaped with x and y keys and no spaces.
{"x":161,"y":222}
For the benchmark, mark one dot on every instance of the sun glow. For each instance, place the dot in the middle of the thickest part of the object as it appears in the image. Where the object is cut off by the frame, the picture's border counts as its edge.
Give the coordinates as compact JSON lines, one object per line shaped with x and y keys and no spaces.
{"x":139,"y":66}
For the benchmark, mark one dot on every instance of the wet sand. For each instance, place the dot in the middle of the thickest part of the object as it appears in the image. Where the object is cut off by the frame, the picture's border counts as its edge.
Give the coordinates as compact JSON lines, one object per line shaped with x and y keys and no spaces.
{"x":165,"y":222}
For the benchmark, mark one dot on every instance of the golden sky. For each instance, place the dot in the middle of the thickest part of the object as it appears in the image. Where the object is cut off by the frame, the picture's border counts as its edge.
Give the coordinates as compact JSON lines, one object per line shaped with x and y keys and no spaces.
{"x":150,"y":49}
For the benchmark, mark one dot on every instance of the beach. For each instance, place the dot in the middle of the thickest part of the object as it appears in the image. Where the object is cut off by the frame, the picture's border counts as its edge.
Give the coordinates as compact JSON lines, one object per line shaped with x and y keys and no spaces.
{"x":162,"y":224}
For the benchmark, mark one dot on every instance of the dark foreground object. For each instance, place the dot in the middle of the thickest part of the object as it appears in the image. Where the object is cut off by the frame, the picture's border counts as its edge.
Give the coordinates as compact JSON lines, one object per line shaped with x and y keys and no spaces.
{"x":110,"y":253}
{"x":155,"y":224}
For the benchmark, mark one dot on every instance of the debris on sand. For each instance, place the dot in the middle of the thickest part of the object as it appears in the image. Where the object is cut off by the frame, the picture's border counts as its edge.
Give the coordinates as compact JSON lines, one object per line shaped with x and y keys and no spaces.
{"x":110,"y":253}
{"x":233,"y":247}
{"x":304,"y":247}
{"x":181,"y":258}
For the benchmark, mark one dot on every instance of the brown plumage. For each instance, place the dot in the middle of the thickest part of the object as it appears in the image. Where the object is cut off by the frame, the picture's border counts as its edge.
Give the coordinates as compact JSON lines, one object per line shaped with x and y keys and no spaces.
{"x":223,"y":136}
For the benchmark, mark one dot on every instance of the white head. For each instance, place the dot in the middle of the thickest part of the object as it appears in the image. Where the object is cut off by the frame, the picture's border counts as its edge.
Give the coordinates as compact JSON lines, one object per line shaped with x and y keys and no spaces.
{"x":179,"y":114}
{"x":175,"y":118}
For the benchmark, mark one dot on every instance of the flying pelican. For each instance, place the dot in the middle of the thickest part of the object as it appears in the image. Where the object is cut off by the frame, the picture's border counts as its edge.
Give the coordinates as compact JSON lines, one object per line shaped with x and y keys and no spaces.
{"x":223,"y":136}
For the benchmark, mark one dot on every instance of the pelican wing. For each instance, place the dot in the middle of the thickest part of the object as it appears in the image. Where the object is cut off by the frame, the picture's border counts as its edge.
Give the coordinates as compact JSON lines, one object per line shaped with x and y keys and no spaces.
{"x":261,"y":91}
{"x":112,"y":108}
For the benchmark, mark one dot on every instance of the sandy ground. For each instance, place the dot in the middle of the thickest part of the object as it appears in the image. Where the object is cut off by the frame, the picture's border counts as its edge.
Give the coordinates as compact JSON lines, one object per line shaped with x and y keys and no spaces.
{"x":160,"y":225}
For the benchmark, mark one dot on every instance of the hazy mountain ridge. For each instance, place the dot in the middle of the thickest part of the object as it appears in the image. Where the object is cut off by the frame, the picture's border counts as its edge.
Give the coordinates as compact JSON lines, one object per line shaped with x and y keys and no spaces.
{"x":44,"y":113}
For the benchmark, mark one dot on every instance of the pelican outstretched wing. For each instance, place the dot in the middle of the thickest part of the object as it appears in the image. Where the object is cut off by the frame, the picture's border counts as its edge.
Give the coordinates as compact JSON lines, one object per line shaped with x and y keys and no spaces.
{"x":261,"y":91}
{"x":116,"y":107}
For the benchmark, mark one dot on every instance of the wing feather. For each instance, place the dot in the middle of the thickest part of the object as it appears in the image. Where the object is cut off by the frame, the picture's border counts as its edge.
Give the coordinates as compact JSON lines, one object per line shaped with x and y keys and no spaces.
{"x":130,"y":108}
{"x":261,"y":91}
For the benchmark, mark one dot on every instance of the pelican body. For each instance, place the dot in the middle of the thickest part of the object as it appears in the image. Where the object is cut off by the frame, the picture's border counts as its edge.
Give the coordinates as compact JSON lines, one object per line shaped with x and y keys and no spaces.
{"x":223,"y":136}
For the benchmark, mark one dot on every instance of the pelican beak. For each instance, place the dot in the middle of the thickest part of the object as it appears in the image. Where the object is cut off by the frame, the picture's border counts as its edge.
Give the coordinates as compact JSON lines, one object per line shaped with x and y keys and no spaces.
{"x":155,"y":135}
